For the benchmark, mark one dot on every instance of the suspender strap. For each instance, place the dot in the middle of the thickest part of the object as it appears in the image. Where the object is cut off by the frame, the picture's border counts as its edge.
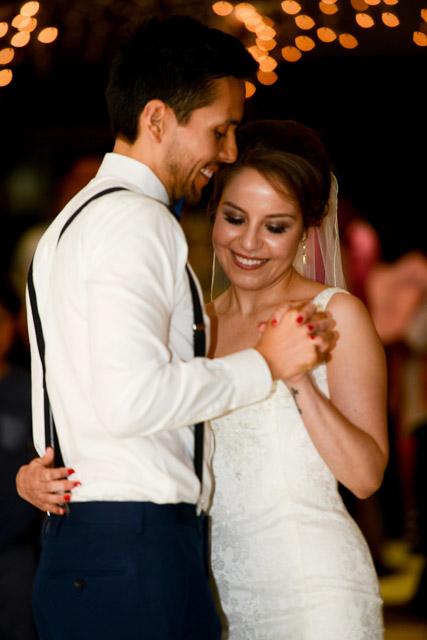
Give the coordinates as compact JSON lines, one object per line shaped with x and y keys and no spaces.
{"x":199,"y":342}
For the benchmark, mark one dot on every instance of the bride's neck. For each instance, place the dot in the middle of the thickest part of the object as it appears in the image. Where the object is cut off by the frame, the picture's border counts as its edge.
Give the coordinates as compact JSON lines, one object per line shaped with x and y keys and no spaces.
{"x":248,"y":302}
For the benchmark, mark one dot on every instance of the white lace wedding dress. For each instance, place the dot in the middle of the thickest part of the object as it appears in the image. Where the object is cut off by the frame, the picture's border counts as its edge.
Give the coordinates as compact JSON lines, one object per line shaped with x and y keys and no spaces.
{"x":288,"y":560}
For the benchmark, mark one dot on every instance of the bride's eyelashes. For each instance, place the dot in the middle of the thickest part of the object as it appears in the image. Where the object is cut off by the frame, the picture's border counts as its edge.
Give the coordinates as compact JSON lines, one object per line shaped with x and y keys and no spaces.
{"x":272,"y":228}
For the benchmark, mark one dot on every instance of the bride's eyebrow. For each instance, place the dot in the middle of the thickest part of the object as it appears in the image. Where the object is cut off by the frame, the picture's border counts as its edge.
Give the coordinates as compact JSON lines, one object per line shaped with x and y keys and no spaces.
{"x":233,"y":206}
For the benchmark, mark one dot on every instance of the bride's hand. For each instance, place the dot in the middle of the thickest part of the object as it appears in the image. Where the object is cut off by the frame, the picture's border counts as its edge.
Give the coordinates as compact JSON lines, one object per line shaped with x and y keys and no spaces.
{"x":45,"y":487}
{"x":296,"y":339}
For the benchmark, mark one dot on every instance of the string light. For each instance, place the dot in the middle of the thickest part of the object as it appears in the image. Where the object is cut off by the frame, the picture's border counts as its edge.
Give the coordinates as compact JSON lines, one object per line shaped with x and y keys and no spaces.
{"x":372,"y":3}
{"x":222,"y":8}
{"x":304,"y":22}
{"x":244,"y":10}
{"x":364,"y":20}
{"x":3,"y":29}
{"x":268,"y":64}
{"x":420,"y":38}
{"x":250,"y":89}
{"x":291,"y":7}
{"x":7,"y":55}
{"x":305,"y":43}
{"x":291,"y":54}
{"x":424,"y":14}
{"x":267,"y":77}
{"x":347,"y":41}
{"x":5,"y":77}
{"x":266,"y":45}
{"x":328,"y":9}
{"x":359,"y":5}
{"x":326,"y":35}
{"x":30,"y":8}
{"x":20,"y":39}
{"x":390,"y":19}
{"x":48,"y":35}
{"x":390,"y":2}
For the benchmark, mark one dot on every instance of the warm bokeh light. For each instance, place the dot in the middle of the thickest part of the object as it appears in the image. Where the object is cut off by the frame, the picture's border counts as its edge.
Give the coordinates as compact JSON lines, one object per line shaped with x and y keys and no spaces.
{"x":420,"y":38}
{"x":266,"y":45}
{"x":390,"y":19}
{"x":424,"y":14}
{"x":244,"y":10}
{"x":328,"y":9}
{"x":27,"y":24}
{"x":19,"y":20}
{"x":257,"y":53}
{"x":20,"y":39}
{"x":5,"y":77}
{"x":3,"y":29}
{"x":291,"y":54}
{"x":30,"y":8}
{"x":291,"y":7}
{"x":268,"y":21}
{"x":390,"y":2}
{"x":359,"y":5}
{"x":268,"y":64}
{"x":329,"y":1}
{"x":254,"y":22}
{"x":305,"y":43}
{"x":372,"y":3}
{"x":348,"y":41}
{"x":6,"y":55}
{"x":326,"y":35}
{"x":250,"y":89}
{"x":364,"y":20}
{"x":304,"y":22}
{"x":48,"y":35}
{"x":267,"y":77}
{"x":222,"y":8}
{"x":265,"y":33}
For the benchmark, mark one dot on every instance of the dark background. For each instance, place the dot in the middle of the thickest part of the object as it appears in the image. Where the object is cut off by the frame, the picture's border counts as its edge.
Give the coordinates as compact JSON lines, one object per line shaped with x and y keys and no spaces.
{"x":368,"y":104}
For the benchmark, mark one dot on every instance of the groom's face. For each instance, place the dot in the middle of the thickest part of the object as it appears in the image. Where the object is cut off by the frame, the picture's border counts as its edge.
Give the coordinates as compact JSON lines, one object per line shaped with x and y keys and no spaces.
{"x":197,"y":149}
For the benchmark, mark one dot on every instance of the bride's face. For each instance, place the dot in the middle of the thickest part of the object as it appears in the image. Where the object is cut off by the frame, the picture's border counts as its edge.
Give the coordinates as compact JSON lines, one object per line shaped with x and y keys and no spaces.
{"x":256,"y":232}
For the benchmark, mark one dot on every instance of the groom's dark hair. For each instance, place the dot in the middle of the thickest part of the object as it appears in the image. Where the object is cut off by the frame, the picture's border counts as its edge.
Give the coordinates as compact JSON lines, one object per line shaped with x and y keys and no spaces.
{"x":175,"y":60}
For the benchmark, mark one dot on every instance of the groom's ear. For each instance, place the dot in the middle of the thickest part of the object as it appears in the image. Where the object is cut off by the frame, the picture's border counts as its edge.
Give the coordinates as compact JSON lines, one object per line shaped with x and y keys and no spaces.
{"x":153,"y":119}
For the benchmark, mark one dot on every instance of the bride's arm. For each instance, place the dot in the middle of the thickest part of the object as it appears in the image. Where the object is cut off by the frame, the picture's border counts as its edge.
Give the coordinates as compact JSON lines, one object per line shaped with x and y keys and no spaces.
{"x":349,"y":430}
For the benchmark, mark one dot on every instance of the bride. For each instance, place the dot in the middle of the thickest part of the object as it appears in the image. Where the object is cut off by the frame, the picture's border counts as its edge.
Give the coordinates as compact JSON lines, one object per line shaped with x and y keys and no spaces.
{"x":288,"y":560}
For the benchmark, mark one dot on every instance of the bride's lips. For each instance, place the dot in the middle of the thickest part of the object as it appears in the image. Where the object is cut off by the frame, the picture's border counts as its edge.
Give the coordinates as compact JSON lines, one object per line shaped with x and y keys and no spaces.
{"x":247,"y":263}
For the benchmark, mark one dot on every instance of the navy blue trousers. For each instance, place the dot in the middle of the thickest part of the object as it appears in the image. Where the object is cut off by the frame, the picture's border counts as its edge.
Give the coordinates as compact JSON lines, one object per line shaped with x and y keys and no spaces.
{"x":133,"y":571}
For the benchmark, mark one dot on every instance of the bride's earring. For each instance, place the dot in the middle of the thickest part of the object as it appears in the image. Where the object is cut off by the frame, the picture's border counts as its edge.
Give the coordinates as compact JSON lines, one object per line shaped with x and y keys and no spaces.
{"x":213,"y":276}
{"x":304,"y":255}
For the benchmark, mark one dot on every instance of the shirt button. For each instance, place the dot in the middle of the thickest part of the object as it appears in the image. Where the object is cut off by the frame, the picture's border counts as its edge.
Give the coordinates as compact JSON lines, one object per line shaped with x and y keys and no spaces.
{"x":79,"y":583}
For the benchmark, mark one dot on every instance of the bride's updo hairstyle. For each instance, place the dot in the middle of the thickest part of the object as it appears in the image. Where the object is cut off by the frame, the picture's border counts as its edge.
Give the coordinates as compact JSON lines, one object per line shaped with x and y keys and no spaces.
{"x":289,"y":155}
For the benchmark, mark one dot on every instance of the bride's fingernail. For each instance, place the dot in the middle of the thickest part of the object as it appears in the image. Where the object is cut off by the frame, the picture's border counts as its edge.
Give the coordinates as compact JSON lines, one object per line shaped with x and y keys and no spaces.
{"x":67,"y":497}
{"x":70,"y":472}
{"x":300,"y":319}
{"x":312,"y":337}
{"x":310,"y":327}
{"x":77,"y":484}
{"x":274,"y":322}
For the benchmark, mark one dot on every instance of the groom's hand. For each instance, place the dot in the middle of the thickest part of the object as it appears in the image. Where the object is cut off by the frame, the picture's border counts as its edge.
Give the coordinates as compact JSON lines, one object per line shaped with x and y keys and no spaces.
{"x":295,"y":339}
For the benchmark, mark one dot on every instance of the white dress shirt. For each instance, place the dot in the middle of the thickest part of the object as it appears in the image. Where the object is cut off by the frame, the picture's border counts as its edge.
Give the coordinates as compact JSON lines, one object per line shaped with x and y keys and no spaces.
{"x":116,"y":311}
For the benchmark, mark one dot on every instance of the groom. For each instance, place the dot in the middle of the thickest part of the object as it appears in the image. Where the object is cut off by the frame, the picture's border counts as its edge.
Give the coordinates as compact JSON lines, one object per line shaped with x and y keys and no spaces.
{"x":124,"y":387}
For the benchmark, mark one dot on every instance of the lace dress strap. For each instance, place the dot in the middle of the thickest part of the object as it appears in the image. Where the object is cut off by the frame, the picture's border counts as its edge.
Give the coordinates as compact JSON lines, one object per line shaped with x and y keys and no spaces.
{"x":322,"y":298}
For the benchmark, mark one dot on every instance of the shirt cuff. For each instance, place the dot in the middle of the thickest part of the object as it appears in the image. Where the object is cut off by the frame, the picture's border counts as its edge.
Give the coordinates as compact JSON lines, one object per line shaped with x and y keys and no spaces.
{"x":251,"y":375}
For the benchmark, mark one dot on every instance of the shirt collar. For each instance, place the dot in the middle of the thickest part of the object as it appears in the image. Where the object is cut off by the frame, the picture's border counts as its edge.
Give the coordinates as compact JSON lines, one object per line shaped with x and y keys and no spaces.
{"x":135,"y":174}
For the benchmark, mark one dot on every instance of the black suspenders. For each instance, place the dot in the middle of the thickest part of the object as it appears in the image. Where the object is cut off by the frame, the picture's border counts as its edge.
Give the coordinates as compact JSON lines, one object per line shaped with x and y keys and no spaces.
{"x":199,"y":342}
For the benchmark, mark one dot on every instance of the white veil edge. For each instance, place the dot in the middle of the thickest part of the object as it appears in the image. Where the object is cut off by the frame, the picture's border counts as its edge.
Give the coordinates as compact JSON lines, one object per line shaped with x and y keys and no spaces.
{"x":323,"y":252}
{"x":323,"y":248}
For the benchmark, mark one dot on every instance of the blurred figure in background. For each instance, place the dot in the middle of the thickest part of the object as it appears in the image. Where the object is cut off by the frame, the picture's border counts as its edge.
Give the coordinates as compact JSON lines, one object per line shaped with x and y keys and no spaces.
{"x":20,"y":521}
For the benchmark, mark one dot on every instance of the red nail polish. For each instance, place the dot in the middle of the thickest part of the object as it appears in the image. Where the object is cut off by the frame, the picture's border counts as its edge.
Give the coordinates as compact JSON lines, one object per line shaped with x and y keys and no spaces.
{"x":70,"y":472}
{"x":77,"y":484}
{"x":312,"y":337}
{"x":300,"y":319}
{"x":67,"y":497}
{"x":310,"y":327}
{"x":274,"y":322}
